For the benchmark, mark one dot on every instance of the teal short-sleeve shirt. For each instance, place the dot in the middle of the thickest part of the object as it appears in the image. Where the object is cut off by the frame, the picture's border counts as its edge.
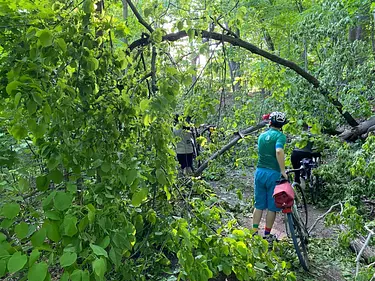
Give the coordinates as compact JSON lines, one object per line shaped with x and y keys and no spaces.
{"x":268,"y":142}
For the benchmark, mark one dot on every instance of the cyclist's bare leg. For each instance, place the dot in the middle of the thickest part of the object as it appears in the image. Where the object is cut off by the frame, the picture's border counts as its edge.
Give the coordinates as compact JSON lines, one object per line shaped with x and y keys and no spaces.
{"x":270,"y":219}
{"x":257,"y":216}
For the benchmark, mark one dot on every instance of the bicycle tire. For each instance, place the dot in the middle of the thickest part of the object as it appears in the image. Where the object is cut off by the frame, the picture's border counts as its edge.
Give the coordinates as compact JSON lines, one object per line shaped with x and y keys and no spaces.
{"x":299,"y":241}
{"x":314,"y":188}
{"x":301,"y":203}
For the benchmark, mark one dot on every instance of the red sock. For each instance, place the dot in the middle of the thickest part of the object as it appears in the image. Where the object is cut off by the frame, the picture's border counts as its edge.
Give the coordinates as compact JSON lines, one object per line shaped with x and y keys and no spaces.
{"x":267,"y":231}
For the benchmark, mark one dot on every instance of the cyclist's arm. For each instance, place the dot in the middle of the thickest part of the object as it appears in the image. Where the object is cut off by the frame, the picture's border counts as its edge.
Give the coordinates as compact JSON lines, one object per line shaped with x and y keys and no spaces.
{"x":280,"y":155}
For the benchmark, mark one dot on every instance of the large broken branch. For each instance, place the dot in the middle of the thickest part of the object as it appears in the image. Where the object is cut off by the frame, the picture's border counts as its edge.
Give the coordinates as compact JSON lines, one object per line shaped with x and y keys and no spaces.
{"x":367,"y":241}
{"x":362,"y":130}
{"x":171,"y":37}
{"x":239,"y":135}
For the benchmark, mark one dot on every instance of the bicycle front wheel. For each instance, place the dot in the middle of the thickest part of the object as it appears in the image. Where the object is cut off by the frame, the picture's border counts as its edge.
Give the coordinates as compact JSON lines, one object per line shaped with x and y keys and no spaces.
{"x":314,"y":188}
{"x":299,"y":238}
{"x":301,"y":204}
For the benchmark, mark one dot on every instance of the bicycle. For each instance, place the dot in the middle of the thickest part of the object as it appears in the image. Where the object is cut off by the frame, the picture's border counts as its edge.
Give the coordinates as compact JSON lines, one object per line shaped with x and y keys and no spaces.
{"x":295,"y":225}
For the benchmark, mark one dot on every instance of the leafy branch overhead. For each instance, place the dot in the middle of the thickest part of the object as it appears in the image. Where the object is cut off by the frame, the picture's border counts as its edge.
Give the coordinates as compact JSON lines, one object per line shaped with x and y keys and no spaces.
{"x":233,"y":40}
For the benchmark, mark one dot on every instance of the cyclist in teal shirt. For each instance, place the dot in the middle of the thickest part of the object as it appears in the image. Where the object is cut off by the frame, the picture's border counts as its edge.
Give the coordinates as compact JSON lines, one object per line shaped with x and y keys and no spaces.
{"x":271,"y":165}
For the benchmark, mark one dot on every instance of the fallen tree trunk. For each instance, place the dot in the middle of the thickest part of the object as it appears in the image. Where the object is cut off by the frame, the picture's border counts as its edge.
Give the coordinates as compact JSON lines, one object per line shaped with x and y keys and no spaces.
{"x":357,"y":244}
{"x":239,"y":135}
{"x":360,"y":131}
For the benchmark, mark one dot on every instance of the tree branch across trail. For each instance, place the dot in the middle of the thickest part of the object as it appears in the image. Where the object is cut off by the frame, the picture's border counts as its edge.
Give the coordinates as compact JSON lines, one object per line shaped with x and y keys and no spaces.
{"x":239,"y":135}
{"x":171,"y":37}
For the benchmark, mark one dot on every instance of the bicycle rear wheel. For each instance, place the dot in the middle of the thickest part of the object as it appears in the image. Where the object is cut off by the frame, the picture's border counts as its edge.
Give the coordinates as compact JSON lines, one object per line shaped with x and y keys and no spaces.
{"x":299,"y":237}
{"x":314,"y":183}
{"x":300,"y":202}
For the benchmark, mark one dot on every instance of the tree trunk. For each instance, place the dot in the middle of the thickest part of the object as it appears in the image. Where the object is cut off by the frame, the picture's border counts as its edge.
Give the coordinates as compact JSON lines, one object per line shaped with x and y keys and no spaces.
{"x":234,"y":68}
{"x":360,"y":131}
{"x":236,"y":138}
{"x":357,"y":244}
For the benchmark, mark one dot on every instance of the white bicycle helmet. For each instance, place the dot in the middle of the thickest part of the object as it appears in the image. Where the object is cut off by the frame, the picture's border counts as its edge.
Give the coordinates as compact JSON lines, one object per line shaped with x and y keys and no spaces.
{"x":278,"y":119}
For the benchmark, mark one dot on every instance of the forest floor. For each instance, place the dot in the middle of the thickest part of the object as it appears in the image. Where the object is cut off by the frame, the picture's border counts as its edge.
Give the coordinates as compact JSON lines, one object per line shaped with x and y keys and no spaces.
{"x":328,"y":260}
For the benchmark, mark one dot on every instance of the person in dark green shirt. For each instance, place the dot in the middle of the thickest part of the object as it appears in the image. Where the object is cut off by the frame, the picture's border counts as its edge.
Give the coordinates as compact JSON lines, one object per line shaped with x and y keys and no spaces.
{"x":271,"y":165}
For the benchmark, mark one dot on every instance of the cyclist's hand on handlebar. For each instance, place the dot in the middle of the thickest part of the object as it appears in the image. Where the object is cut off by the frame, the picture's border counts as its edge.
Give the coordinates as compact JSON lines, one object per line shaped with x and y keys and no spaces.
{"x":284,"y":175}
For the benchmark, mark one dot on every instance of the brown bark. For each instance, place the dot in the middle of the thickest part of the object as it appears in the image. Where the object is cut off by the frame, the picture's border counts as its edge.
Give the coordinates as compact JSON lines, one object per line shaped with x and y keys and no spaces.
{"x":362,"y":130}
{"x":357,"y":244}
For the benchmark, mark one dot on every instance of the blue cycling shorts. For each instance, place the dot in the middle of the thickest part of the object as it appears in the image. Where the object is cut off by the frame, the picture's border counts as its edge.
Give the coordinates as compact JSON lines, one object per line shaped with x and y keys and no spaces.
{"x":264,"y":185}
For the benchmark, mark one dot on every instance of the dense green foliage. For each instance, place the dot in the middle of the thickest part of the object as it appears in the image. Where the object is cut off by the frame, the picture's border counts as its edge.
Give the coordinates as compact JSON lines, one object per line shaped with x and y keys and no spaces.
{"x":88,"y":173}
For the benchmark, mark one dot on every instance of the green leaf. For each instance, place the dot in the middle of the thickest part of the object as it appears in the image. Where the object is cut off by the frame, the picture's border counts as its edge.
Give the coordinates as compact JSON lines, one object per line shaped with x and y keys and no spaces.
{"x":139,"y":196}
{"x":34,"y":256}
{"x":52,"y":163}
{"x":88,"y":6}
{"x":45,"y":37}
{"x":70,"y":226}
{"x":72,"y":188}
{"x":42,"y":183}
{"x":167,"y":193}
{"x":47,"y":202}
{"x":180,"y":25}
{"x":147,"y":12}
{"x":37,"y":98}
{"x":67,"y":259}
{"x":16,"y":262}
{"x":23,"y":184}
{"x":61,"y":44}
{"x":22,"y":230}
{"x":18,"y":132}
{"x":2,"y":237}
{"x":17,"y":99}
{"x":131,"y":175}
{"x":38,"y":237}
{"x":161,"y":177}
{"x":106,"y":167}
{"x":144,"y":104}
{"x":65,"y":276}
{"x":99,"y":267}
{"x":115,"y":256}
{"x":91,"y":213}
{"x":157,"y":35}
{"x":6,"y":223}
{"x":31,"y":107}
{"x":241,"y":248}
{"x":38,"y":272}
{"x":62,"y":200}
{"x":56,"y":176}
{"x":105,"y":242}
{"x":12,"y":86}
{"x":76,"y":275}
{"x":85,"y":276}
{"x":99,"y":251}
{"x":191,"y":34}
{"x":53,"y":231}
{"x":3,"y":268}
{"x":10,"y":210}
{"x":53,"y":215}
{"x":92,"y":64}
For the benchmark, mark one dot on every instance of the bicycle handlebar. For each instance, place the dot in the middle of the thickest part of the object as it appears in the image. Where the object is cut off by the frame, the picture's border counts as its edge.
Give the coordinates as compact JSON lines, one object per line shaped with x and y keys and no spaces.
{"x":293,"y":170}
